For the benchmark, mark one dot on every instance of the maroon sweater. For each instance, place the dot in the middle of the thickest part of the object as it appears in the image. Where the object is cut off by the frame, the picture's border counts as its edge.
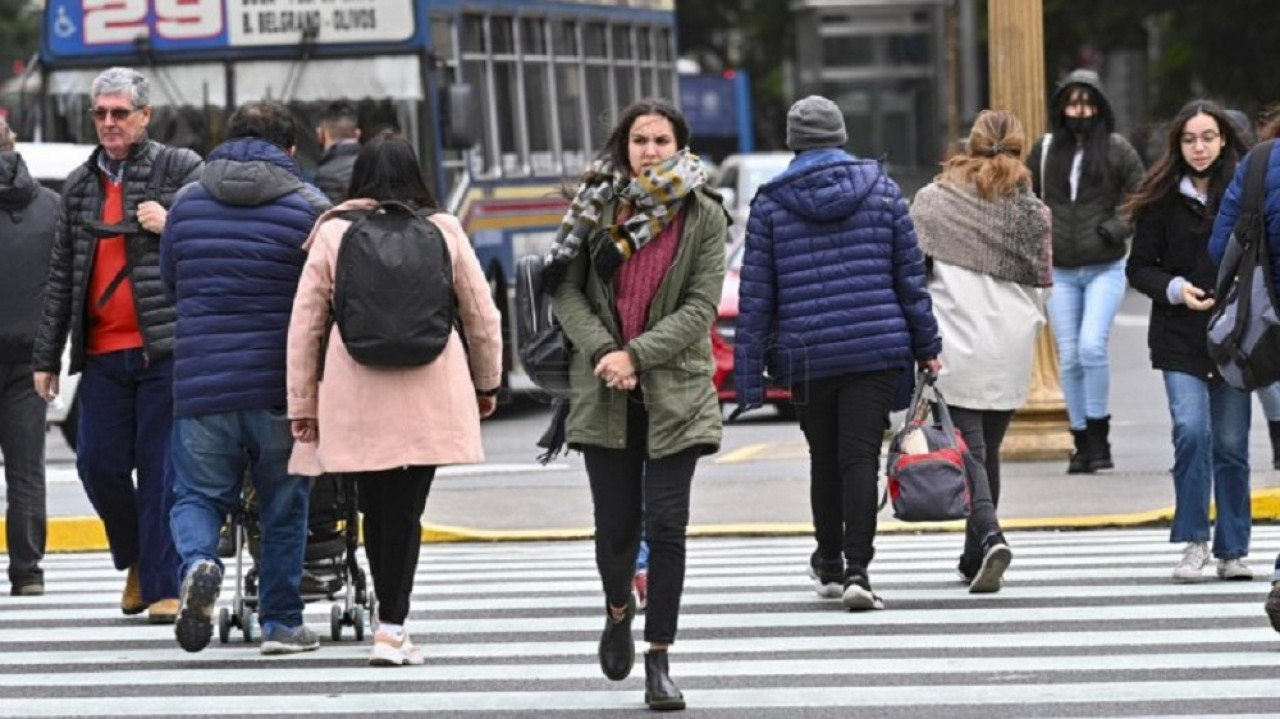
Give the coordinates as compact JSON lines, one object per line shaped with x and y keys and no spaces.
{"x":638,"y":278}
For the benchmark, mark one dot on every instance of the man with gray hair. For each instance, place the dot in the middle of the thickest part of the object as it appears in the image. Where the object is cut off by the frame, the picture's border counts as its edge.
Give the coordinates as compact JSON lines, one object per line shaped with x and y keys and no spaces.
{"x":104,"y":290}
{"x":28,"y":217}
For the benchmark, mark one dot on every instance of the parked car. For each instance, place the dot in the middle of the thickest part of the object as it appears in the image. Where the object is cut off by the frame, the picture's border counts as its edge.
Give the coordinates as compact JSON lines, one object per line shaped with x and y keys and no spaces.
{"x":738,"y":179}
{"x":50,"y":163}
{"x":722,"y":335}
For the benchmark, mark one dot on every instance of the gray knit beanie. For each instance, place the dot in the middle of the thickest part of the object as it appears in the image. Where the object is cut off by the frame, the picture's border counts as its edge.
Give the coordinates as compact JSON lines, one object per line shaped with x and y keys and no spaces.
{"x":813,"y":122}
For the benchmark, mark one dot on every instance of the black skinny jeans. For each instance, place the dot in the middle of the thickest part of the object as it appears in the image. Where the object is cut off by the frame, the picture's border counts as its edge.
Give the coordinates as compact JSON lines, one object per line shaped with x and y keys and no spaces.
{"x":22,"y":446}
{"x":983,"y":431}
{"x":628,"y":487}
{"x":392,"y":501}
{"x":843,"y":419}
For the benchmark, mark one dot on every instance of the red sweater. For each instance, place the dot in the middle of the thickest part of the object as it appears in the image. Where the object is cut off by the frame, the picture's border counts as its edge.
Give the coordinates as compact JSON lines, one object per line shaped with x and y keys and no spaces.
{"x":639,"y":278}
{"x":113,"y":326}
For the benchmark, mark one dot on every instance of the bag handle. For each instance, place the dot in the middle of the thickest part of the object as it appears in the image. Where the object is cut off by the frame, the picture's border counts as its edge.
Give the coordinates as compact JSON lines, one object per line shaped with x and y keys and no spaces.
{"x":919,"y":410}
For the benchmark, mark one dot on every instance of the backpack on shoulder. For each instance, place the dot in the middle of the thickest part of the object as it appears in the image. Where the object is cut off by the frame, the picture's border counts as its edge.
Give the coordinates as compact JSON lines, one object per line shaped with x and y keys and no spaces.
{"x":1244,"y":329}
{"x":393,"y":298}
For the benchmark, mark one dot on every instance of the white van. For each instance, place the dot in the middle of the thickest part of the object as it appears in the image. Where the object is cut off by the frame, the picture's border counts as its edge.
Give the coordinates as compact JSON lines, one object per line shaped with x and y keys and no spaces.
{"x":50,"y":163}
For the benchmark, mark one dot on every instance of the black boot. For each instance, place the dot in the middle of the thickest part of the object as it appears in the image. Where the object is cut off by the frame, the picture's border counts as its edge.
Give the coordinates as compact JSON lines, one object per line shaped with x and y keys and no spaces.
{"x":1274,"y":428}
{"x":617,"y":648}
{"x":1080,"y":463}
{"x":1099,"y":446}
{"x":660,"y":693}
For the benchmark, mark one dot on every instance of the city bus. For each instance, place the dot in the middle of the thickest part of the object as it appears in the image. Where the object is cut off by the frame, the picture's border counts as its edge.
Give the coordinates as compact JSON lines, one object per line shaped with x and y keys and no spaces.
{"x":505,"y":101}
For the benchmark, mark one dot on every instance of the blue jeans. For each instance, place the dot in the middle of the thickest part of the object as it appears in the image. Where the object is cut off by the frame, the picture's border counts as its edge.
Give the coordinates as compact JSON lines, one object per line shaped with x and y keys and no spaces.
{"x":1210,"y":451}
{"x":1082,"y":307}
{"x":210,"y":454}
{"x":126,"y":414}
{"x":1269,"y":397}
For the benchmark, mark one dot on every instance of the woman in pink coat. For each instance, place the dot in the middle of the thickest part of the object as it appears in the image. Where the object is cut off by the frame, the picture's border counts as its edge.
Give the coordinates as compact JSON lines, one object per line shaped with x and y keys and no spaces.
{"x":389,"y":427}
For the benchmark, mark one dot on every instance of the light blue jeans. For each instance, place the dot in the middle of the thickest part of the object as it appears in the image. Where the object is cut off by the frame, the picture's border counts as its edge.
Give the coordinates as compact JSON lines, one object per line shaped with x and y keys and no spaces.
{"x":1269,"y":397}
{"x":1210,"y":453}
{"x":210,"y":453}
{"x":1082,"y":307}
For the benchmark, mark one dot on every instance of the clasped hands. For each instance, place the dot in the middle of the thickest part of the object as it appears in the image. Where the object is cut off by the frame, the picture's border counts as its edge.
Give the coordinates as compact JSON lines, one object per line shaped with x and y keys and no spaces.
{"x":617,"y":371}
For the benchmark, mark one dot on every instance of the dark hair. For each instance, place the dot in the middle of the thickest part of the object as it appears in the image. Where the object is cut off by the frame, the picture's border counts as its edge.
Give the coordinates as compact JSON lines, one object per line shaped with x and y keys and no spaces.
{"x":615,"y":147}
{"x":340,"y":119}
{"x":1165,"y":175}
{"x":1269,"y":124}
{"x":1095,"y":166}
{"x":266,"y":119}
{"x":387,"y":169}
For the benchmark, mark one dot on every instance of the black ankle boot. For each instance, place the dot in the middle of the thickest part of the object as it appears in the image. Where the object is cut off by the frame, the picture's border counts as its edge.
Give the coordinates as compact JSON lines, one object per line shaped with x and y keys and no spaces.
{"x":1080,"y":458}
{"x":1274,"y":428}
{"x":660,"y":693}
{"x":617,"y":648}
{"x":1099,"y":445}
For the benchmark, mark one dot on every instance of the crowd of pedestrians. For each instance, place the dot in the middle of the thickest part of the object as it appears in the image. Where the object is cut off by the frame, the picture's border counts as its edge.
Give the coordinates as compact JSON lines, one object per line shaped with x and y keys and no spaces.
{"x":203,"y":304}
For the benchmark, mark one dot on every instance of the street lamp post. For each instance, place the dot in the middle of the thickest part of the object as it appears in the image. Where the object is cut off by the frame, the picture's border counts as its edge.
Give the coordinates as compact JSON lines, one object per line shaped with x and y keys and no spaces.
{"x":1016,"y":54}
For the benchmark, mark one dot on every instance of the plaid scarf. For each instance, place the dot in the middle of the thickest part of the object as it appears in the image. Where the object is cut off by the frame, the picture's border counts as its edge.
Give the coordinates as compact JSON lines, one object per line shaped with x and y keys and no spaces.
{"x":657,"y":194}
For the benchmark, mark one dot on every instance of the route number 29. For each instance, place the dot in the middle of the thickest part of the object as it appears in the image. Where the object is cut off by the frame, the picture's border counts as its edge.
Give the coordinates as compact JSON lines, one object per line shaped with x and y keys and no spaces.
{"x":110,"y":22}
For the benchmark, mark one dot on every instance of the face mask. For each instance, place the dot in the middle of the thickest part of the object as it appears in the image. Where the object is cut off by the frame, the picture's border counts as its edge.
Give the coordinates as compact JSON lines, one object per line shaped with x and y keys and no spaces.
{"x":1081,"y":125}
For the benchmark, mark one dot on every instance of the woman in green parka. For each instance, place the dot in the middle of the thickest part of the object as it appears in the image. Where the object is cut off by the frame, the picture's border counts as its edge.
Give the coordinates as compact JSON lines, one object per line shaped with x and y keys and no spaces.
{"x":637,"y":269}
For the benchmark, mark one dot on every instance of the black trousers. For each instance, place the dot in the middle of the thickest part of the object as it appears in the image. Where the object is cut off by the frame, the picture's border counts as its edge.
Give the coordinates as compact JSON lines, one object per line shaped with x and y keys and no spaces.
{"x":843,"y":419}
{"x":22,"y":446}
{"x":392,"y":502}
{"x":983,"y":431}
{"x":627,"y":488}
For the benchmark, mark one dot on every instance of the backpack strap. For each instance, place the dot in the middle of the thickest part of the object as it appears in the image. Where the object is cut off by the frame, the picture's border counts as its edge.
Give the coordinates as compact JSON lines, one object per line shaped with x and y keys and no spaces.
{"x":1044,"y":160}
{"x":159,"y":171}
{"x":1253,"y":193}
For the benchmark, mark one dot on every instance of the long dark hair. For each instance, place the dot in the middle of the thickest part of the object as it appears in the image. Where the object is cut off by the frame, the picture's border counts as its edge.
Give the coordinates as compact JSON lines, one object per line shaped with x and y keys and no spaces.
{"x":387,"y":169}
{"x":615,"y":147}
{"x":1164,"y":176}
{"x":1095,"y":166}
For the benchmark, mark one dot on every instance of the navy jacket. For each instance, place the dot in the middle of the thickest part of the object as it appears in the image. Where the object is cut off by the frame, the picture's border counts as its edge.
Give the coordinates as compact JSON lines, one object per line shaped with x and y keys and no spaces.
{"x":832,"y":279}
{"x":230,"y":259}
{"x":1229,"y":212}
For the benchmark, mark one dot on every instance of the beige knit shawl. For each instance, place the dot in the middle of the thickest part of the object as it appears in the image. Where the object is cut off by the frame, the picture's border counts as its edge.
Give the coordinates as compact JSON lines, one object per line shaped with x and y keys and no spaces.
{"x":1008,"y":238}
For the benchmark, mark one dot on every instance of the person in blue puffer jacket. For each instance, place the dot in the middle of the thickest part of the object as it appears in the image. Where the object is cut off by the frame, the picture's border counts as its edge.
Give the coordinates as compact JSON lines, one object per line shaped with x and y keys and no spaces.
{"x":833,"y":304}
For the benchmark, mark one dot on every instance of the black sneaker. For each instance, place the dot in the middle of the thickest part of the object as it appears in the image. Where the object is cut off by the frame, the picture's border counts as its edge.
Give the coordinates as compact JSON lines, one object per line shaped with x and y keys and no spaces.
{"x":857,"y":591}
{"x":827,"y":576}
{"x":194,"y":627}
{"x":995,"y":560}
{"x":1272,"y":606}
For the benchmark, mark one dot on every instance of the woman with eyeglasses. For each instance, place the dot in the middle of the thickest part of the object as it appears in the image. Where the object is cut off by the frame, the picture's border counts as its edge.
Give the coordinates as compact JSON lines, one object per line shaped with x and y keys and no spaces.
{"x":1084,"y":171}
{"x":1174,"y":212}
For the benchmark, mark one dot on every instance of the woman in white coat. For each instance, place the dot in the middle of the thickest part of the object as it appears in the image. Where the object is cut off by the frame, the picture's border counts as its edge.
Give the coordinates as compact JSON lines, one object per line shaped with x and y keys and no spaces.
{"x":989,"y":244}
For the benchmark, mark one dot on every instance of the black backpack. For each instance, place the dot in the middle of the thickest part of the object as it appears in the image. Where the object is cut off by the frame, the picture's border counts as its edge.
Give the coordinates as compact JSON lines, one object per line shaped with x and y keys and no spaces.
{"x":543,"y":347}
{"x":1244,"y":326}
{"x":393,"y":298}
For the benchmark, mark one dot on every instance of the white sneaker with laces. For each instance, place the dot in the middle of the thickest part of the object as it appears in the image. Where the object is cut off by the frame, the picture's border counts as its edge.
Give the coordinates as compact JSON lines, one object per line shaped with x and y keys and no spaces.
{"x":1194,"y":557}
{"x":1234,"y":569}
{"x":390,"y":651}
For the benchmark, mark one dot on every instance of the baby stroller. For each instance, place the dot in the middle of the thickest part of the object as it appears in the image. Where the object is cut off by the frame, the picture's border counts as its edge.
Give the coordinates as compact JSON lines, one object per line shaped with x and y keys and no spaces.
{"x":330,"y":569}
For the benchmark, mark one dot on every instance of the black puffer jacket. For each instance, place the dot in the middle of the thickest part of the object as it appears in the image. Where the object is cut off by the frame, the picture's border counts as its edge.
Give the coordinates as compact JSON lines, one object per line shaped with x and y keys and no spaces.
{"x":28,"y":219}
{"x":1090,"y":229}
{"x":75,"y":247}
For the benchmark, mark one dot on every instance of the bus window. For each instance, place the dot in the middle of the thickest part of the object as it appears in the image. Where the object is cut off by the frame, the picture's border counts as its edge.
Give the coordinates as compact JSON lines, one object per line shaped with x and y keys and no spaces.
{"x":570,"y":99}
{"x":506,"y":95}
{"x":475,"y":71}
{"x":624,"y":74}
{"x":537,"y":91}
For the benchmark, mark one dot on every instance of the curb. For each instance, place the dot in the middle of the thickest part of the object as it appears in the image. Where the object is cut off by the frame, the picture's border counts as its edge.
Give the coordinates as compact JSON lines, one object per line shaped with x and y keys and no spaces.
{"x":86,"y":534}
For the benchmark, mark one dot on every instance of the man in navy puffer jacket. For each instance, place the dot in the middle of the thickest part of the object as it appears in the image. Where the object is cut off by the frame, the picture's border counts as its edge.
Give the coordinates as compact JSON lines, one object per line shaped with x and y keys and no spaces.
{"x":833,"y":304}
{"x":230,"y":257}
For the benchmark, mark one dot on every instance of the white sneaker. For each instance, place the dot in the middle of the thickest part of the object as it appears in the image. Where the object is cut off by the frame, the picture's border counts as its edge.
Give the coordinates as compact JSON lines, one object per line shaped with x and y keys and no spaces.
{"x":1234,"y":569}
{"x":1194,"y":557}
{"x":391,"y":652}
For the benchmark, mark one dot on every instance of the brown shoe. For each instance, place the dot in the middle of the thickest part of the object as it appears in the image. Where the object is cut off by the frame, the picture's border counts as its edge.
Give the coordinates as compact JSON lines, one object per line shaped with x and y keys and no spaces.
{"x":131,"y":600}
{"x":164,"y":611}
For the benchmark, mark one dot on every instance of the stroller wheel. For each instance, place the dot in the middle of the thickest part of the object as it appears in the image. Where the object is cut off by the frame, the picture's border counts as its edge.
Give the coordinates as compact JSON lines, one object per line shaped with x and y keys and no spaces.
{"x":335,"y":623}
{"x":357,"y":619}
{"x":224,"y":625}
{"x":247,"y":620}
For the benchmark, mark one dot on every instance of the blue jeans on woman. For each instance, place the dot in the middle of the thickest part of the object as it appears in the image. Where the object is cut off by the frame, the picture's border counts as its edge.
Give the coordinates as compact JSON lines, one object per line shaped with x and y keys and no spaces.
{"x":1210,"y":452}
{"x":1082,"y":307}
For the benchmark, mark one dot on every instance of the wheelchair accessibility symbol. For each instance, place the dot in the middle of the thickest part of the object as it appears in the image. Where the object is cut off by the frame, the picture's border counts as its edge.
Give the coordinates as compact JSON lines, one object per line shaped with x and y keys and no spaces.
{"x":63,"y":27}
